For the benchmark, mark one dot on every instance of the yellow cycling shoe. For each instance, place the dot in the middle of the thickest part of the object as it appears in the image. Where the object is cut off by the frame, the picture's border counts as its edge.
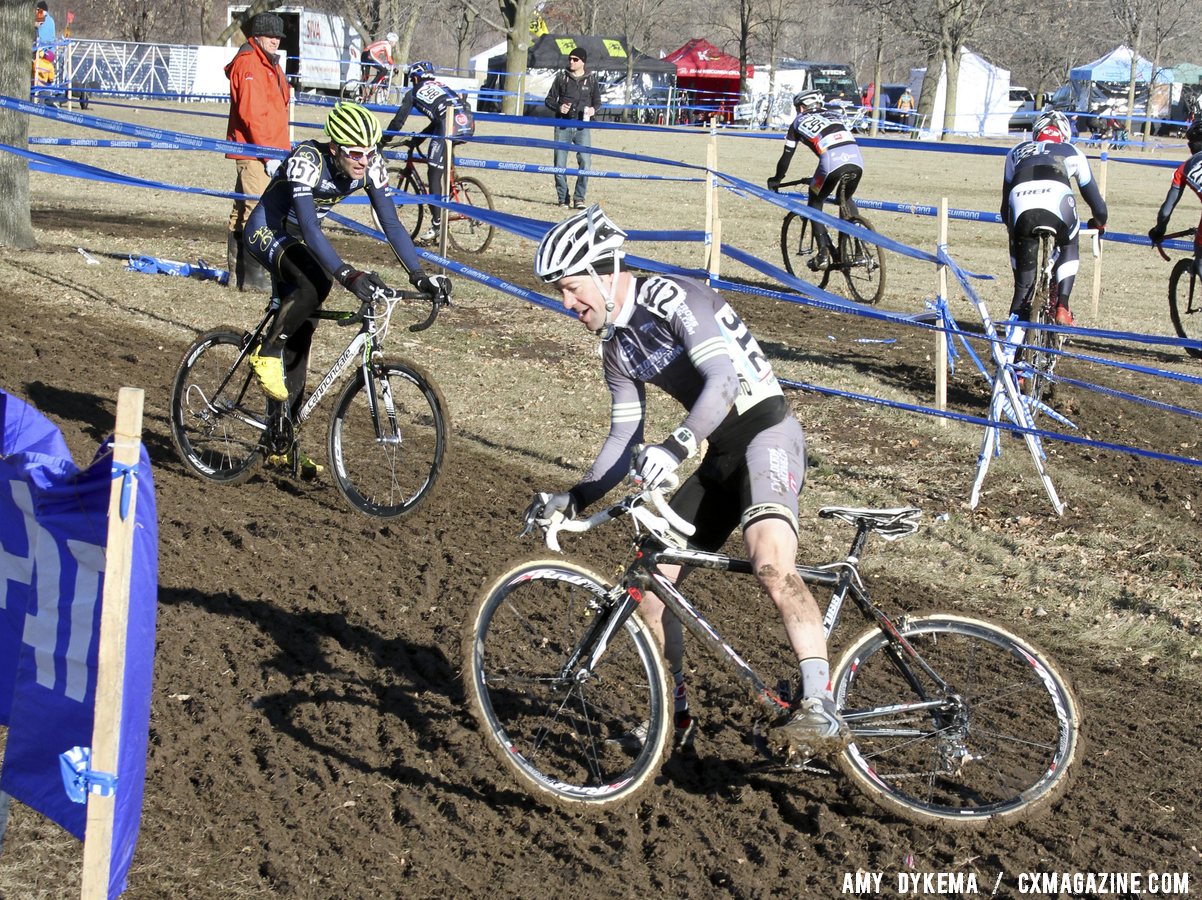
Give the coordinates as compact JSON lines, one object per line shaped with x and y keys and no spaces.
{"x":306,"y":466}
{"x":270,"y":372}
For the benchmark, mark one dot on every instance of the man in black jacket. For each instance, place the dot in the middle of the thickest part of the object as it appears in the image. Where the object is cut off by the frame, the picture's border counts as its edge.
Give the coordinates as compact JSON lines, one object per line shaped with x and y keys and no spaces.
{"x":574,"y":98}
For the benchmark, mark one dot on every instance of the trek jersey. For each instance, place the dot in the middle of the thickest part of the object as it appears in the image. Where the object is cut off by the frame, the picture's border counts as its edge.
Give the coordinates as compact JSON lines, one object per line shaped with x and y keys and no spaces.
{"x":681,"y":336}
{"x":1039,"y":176}
{"x":1188,"y":174}
{"x":432,"y":99}
{"x":304,"y":190}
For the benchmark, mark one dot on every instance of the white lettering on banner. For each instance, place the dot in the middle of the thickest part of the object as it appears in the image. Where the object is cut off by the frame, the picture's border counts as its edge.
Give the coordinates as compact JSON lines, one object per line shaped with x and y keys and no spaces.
{"x":41,"y":630}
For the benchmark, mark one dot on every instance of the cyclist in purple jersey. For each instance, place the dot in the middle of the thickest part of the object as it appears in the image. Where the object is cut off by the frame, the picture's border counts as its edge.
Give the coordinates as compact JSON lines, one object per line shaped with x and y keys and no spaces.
{"x":1037,"y":192}
{"x":432,"y":99}
{"x":1188,"y":174}
{"x":839,"y":160}
{"x":284,"y":234}
{"x":681,"y":336}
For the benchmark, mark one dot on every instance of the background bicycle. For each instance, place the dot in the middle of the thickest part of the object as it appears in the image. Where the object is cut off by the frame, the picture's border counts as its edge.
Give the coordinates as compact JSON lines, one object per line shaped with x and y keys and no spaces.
{"x":953,"y":720}
{"x":465,"y":233}
{"x":387,"y":435}
{"x":1185,"y":296}
{"x":386,"y":91}
{"x":861,"y":262}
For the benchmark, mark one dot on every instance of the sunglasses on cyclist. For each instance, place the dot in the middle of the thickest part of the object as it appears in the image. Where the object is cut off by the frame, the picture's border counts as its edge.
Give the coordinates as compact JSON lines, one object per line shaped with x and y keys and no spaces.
{"x":359,"y":154}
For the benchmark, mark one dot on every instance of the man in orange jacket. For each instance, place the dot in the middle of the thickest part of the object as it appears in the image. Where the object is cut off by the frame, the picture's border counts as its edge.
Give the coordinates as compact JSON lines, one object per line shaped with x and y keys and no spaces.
{"x":259,"y":95}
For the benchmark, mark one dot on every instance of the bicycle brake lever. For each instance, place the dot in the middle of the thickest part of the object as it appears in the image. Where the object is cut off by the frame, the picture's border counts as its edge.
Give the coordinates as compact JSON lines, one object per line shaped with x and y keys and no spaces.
{"x":436,"y":305}
{"x":355,"y":318}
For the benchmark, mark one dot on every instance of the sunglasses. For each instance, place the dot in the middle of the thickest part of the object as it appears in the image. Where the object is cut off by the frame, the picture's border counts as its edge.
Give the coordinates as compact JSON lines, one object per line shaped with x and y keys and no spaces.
{"x":359,"y":154}
{"x":575,"y":59}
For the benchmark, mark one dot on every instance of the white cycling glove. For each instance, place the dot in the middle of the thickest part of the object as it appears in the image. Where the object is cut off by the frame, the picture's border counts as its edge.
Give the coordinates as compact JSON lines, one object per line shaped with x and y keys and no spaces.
{"x":543,"y":506}
{"x":271,"y":166}
{"x":654,"y":464}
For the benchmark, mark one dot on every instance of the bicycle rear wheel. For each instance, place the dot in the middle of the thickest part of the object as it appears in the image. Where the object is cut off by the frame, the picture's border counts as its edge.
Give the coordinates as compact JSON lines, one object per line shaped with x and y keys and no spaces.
{"x":995,"y":743}
{"x":863,"y":264}
{"x":1185,"y":304}
{"x":412,"y":215}
{"x":797,"y":248}
{"x":218,"y":412}
{"x":386,"y":464}
{"x":571,"y":730}
{"x":465,"y":233}
{"x":1041,"y":345}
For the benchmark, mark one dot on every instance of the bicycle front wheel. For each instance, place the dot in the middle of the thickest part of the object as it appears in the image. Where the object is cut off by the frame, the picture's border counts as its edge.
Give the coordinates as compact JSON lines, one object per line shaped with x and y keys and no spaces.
{"x":863,"y":265}
{"x":797,"y":248}
{"x":387,"y":439}
{"x":1185,"y":304}
{"x":218,"y":412}
{"x":465,"y":233}
{"x":572,"y":728}
{"x":1041,"y":344}
{"x":994,"y":741}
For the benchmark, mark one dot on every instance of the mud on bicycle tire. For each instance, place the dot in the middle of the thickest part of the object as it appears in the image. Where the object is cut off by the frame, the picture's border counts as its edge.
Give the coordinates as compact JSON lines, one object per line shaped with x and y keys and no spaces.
{"x":566,"y":741}
{"x":1021,"y":730}
{"x":217,"y":446}
{"x":388,"y":477}
{"x":796,"y":236}
{"x":1180,"y":285}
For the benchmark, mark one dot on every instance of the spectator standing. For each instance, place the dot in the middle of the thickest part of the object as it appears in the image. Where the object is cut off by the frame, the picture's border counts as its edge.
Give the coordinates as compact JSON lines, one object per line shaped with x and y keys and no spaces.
{"x":259,"y":95}
{"x":46,"y":32}
{"x":573,"y":98}
{"x":905,"y":106}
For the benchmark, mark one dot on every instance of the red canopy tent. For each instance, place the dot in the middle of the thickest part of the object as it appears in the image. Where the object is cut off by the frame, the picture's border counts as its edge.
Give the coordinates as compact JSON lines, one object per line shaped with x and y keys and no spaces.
{"x":709,"y":75}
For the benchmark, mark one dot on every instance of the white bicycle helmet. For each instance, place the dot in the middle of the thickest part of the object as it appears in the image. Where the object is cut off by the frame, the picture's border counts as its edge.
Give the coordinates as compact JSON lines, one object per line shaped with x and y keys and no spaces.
{"x":582,"y":243}
{"x":808,"y":100}
{"x":391,"y":37}
{"x":1052,"y":125}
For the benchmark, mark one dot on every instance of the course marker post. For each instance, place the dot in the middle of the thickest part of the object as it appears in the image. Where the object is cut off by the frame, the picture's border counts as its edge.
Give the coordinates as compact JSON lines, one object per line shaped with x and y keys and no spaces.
{"x":1097,"y":243}
{"x":114,"y":623}
{"x":711,"y":195}
{"x":941,"y":335}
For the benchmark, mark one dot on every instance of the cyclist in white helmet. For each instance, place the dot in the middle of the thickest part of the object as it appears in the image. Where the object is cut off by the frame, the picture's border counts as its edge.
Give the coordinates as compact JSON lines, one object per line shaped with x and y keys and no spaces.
{"x":1037,"y":191}
{"x":839,"y":160}
{"x":682,"y":336}
{"x":376,"y":61}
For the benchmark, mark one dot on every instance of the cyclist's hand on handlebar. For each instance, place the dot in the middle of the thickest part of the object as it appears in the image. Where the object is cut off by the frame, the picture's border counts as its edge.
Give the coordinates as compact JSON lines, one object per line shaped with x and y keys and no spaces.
{"x":1156,"y":233}
{"x":1097,"y":226}
{"x":363,"y":285}
{"x":654,"y":464}
{"x":431,"y":285}
{"x":544,"y":506}
{"x":774,"y":184}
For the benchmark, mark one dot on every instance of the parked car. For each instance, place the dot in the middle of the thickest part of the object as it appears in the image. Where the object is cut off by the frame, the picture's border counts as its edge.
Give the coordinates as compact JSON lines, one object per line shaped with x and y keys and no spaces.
{"x":1025,"y":109}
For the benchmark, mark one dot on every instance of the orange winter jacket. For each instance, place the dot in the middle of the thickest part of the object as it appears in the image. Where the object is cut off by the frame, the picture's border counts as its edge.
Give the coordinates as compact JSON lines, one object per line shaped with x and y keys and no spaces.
{"x":259,"y":95}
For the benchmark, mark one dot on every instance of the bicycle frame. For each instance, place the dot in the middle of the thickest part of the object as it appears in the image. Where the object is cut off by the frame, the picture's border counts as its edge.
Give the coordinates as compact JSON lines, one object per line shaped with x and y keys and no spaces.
{"x":841,"y":577}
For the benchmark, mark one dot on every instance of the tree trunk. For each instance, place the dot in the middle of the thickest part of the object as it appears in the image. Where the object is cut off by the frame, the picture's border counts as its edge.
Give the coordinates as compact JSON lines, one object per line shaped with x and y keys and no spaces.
{"x":930,"y":85}
{"x":951,"y":60}
{"x":876,"y":74}
{"x":516,"y":14}
{"x":16,"y":229}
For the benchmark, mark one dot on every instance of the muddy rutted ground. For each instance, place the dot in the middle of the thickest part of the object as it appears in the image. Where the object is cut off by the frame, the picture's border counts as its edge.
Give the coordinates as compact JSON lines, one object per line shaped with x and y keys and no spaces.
{"x":310,"y":738}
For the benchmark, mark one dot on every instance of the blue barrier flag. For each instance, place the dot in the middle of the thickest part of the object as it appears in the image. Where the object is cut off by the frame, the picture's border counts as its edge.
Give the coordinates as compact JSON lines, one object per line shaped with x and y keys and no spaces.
{"x":53,"y":529}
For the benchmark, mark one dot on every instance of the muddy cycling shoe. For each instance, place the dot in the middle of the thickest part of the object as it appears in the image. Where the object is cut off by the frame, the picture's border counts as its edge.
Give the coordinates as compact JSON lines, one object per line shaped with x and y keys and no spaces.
{"x":684,"y":730}
{"x":820,"y":260}
{"x":1064,"y":317}
{"x":306,"y":466}
{"x":431,"y":233}
{"x":269,"y":370}
{"x":817,"y":730}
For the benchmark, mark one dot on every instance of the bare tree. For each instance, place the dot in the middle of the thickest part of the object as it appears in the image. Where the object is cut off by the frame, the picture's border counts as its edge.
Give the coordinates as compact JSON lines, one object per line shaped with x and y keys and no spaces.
{"x":16,"y":21}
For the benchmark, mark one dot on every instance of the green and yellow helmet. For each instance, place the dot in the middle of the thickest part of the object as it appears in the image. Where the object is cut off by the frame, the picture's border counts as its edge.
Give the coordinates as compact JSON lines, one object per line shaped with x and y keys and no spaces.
{"x":352,"y":125}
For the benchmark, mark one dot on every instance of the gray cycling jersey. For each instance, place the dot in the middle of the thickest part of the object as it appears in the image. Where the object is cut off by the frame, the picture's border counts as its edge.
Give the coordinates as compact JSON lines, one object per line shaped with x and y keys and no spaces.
{"x":683,"y":337}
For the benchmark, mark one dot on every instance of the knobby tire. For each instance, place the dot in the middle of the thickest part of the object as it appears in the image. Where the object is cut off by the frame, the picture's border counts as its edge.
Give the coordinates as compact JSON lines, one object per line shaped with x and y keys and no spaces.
{"x":568,"y":734}
{"x":1000,"y":748}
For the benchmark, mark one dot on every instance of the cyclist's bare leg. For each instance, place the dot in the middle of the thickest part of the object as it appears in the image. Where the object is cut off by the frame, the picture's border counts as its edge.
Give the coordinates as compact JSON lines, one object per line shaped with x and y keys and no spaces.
{"x":772,"y":547}
{"x":666,"y":628}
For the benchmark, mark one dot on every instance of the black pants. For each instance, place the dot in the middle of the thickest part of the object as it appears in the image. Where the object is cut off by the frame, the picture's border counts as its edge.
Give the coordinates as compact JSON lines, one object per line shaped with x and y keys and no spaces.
{"x":303,"y":286}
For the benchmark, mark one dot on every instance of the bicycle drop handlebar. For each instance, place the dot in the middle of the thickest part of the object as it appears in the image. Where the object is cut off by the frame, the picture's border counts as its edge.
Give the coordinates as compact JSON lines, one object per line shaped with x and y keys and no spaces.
{"x":1185,"y":232}
{"x":667,"y":525}
{"x":385,"y":295}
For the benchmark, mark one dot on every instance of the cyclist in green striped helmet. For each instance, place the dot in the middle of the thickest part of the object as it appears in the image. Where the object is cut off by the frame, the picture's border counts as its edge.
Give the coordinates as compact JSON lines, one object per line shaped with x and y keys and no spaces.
{"x":284,"y":233}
